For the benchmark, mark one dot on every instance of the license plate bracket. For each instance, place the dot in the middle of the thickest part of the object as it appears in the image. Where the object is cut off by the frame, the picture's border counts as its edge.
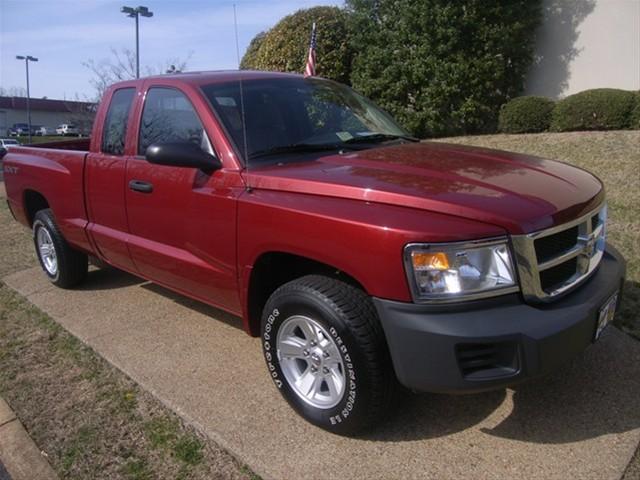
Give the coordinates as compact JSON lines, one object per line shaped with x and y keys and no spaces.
{"x":606,"y":314}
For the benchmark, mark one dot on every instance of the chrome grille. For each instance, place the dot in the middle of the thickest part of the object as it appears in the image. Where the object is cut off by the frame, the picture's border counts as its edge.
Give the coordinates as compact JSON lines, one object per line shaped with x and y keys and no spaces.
{"x":553,"y":261}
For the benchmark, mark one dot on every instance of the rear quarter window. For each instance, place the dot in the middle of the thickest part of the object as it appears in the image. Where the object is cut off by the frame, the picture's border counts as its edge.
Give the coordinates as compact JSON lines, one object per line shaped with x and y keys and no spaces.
{"x":115,"y":125}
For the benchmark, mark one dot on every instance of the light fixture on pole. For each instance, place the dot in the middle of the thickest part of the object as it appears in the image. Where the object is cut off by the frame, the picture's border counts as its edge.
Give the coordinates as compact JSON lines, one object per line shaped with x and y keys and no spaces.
{"x":27,"y":59}
{"x":135,"y":13}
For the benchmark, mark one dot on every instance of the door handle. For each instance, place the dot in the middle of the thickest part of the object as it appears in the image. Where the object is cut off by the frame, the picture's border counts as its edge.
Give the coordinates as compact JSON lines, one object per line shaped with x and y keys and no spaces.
{"x":140,"y":186}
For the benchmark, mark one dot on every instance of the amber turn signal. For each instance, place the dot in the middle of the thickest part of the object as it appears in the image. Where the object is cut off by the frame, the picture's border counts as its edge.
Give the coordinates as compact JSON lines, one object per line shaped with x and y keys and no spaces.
{"x":430,"y":260}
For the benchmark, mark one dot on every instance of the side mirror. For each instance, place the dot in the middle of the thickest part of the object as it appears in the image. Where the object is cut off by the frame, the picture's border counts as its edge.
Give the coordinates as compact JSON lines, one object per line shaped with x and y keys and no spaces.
{"x":3,"y":152}
{"x":181,"y":154}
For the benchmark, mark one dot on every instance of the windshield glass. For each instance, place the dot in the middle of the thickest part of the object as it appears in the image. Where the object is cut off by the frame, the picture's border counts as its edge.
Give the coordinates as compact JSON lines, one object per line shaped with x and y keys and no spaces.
{"x":282,"y":113}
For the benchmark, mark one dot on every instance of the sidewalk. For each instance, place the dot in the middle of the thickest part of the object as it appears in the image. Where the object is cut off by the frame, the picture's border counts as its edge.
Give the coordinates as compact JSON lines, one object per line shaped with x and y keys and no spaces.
{"x":20,"y":458}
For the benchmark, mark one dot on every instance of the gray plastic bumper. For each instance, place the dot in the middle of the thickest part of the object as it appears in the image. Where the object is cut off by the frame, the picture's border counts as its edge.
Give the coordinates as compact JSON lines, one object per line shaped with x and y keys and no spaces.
{"x":475,"y":346}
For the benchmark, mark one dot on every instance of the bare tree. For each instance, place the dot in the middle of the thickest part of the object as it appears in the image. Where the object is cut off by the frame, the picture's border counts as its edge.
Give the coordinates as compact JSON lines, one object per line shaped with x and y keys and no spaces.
{"x":13,"y":92}
{"x":122,"y":66}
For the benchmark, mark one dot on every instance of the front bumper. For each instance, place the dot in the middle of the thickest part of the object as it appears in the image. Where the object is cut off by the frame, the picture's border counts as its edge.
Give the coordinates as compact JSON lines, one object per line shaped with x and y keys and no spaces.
{"x":488,"y":344}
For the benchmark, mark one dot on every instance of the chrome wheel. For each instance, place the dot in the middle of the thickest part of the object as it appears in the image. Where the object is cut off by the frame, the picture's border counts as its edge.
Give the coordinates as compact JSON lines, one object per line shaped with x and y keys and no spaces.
{"x":311,"y":362}
{"x":47,"y":251}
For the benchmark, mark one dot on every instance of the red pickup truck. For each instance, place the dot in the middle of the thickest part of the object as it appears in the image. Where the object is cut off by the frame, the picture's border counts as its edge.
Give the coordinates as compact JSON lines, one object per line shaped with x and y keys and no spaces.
{"x":363,"y":258}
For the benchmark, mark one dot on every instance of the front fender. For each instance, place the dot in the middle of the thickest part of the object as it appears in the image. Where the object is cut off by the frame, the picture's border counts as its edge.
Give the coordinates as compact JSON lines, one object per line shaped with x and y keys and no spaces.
{"x":364,"y":240}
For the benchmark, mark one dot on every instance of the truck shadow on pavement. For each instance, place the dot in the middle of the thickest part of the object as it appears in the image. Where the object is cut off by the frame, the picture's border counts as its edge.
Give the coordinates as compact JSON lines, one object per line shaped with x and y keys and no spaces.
{"x":596,"y":394}
{"x":108,"y":279}
{"x":112,"y":278}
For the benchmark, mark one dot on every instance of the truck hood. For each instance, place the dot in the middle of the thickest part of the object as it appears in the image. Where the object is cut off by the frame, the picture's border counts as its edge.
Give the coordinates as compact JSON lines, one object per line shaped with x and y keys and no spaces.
{"x":519,"y":193}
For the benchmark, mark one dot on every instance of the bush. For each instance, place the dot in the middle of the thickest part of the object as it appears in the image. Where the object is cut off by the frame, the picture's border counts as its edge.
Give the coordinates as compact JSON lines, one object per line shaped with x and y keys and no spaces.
{"x":249,"y":57}
{"x":526,"y":115}
{"x":284,"y":48}
{"x":442,"y":67}
{"x":635,"y":115}
{"x":597,"y":109}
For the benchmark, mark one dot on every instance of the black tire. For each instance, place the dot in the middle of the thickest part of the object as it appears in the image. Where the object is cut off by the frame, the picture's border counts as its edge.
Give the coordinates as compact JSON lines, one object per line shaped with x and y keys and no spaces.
{"x":349,"y":316}
{"x":72,"y":265}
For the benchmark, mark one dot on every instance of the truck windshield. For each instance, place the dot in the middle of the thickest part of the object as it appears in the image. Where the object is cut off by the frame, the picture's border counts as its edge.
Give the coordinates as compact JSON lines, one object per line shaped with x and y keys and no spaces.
{"x":294,"y":115}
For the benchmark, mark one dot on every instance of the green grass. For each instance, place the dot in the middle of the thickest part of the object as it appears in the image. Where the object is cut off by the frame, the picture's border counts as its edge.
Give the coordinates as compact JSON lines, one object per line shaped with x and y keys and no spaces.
{"x":188,"y":449}
{"x":615,"y":158}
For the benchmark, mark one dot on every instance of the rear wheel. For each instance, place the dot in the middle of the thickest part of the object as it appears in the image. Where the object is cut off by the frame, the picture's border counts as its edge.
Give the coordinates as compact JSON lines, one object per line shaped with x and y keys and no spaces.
{"x":63,"y":265}
{"x":326,"y":352}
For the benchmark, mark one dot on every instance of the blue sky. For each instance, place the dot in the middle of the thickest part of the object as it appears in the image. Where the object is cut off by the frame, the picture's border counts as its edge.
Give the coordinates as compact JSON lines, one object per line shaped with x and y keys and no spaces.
{"x":63,"y":34}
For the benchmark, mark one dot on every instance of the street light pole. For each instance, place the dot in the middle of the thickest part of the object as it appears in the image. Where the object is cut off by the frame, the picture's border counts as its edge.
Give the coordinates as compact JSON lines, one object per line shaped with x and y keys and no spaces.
{"x":135,"y":13}
{"x":27,"y":59}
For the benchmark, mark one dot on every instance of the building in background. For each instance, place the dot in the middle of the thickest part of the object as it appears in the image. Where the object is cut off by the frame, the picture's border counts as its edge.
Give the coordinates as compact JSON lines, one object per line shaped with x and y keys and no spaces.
{"x":47,"y":113}
{"x":585,"y":44}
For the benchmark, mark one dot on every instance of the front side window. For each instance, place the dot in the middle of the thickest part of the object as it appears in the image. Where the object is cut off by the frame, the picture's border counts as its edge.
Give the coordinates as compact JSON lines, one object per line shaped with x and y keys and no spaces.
{"x":115,"y":125}
{"x":168,"y":116}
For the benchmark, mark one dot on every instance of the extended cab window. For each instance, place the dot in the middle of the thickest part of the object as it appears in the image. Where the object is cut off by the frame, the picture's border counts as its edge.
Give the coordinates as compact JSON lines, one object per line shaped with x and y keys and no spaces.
{"x":168,"y":116}
{"x":115,"y":125}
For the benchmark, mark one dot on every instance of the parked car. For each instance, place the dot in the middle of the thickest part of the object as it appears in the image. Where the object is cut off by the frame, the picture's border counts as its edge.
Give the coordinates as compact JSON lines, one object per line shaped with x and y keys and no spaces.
{"x":361,"y":257}
{"x":40,"y":130}
{"x":18,"y":129}
{"x":9,"y":142}
{"x":67,"y":129}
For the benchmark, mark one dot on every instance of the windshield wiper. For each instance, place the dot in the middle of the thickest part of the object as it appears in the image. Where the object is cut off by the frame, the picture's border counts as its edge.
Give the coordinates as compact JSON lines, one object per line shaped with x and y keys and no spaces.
{"x":296,"y":147}
{"x":380,"y":137}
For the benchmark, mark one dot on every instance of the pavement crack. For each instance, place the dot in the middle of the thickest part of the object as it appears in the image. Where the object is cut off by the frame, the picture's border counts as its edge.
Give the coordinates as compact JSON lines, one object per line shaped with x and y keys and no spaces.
{"x":7,"y":422}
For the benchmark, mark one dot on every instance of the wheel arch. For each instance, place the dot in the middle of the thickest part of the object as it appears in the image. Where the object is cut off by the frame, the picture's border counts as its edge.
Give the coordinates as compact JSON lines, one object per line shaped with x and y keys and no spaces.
{"x":275,"y":268}
{"x":33,"y":202}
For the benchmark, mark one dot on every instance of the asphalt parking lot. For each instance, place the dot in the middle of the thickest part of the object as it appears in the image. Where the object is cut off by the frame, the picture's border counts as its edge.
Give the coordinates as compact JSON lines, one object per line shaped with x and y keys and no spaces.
{"x":583,"y":422}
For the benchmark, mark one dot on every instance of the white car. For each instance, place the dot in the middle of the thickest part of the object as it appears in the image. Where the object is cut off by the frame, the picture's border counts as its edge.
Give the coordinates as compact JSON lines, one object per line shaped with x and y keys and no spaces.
{"x":67,"y":129}
{"x":41,"y":131}
{"x":9,"y":142}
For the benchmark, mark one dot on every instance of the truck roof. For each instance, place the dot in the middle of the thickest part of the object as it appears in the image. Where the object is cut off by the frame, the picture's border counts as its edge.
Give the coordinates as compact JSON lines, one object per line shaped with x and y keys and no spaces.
{"x":215,"y":76}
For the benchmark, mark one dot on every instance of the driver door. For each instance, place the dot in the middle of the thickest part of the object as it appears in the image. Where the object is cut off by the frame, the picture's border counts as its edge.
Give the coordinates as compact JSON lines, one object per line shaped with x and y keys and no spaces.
{"x":181,"y":219}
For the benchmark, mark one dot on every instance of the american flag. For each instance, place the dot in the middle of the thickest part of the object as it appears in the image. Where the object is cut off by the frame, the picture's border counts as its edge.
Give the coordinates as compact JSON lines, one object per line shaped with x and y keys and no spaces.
{"x":310,"y":69}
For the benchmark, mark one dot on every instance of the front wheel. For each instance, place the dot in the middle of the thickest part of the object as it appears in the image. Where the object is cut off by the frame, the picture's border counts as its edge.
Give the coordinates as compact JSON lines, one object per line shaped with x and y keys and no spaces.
{"x":64,"y":266}
{"x":326,"y":352}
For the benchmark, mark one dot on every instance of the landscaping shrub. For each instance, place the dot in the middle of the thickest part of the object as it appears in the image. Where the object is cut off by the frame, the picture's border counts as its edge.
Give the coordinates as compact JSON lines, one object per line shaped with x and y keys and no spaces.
{"x":597,"y":109}
{"x":635,"y":115}
{"x":526,"y":115}
{"x":442,"y":67}
{"x":284,"y":48}
{"x":249,"y":57}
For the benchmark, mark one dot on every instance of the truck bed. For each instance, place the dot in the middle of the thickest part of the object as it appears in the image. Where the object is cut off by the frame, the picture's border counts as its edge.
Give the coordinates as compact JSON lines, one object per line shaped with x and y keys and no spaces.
{"x":81,"y":144}
{"x":50,"y":175}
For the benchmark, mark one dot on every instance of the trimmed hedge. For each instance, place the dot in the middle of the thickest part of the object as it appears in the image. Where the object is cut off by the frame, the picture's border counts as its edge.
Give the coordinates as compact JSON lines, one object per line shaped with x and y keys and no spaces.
{"x":597,"y":109}
{"x":528,"y":114}
{"x":284,"y":48}
{"x":442,"y":67}
{"x":249,"y":57}
{"x":635,"y":115}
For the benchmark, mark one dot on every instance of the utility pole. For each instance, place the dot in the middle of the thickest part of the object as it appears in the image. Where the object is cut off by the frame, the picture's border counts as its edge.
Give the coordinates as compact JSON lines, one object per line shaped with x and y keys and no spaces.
{"x":27,"y":59}
{"x":135,"y":13}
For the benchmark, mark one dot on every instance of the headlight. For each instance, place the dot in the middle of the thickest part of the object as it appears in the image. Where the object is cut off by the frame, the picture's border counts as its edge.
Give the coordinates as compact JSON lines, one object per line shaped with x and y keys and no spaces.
{"x":441,"y":272}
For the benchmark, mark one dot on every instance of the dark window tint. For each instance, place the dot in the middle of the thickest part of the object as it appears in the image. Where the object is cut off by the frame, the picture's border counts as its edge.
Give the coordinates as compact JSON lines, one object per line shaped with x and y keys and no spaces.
{"x":115,"y":125}
{"x":168,"y":116}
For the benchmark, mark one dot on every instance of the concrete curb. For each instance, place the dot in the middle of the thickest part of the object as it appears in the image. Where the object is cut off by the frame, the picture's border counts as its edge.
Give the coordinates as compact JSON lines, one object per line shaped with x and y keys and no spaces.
{"x":19,"y":455}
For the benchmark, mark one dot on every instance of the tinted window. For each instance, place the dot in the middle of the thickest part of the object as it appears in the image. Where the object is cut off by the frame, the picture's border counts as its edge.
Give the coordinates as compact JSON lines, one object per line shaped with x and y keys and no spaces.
{"x":115,"y":125}
{"x":168,"y":116}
